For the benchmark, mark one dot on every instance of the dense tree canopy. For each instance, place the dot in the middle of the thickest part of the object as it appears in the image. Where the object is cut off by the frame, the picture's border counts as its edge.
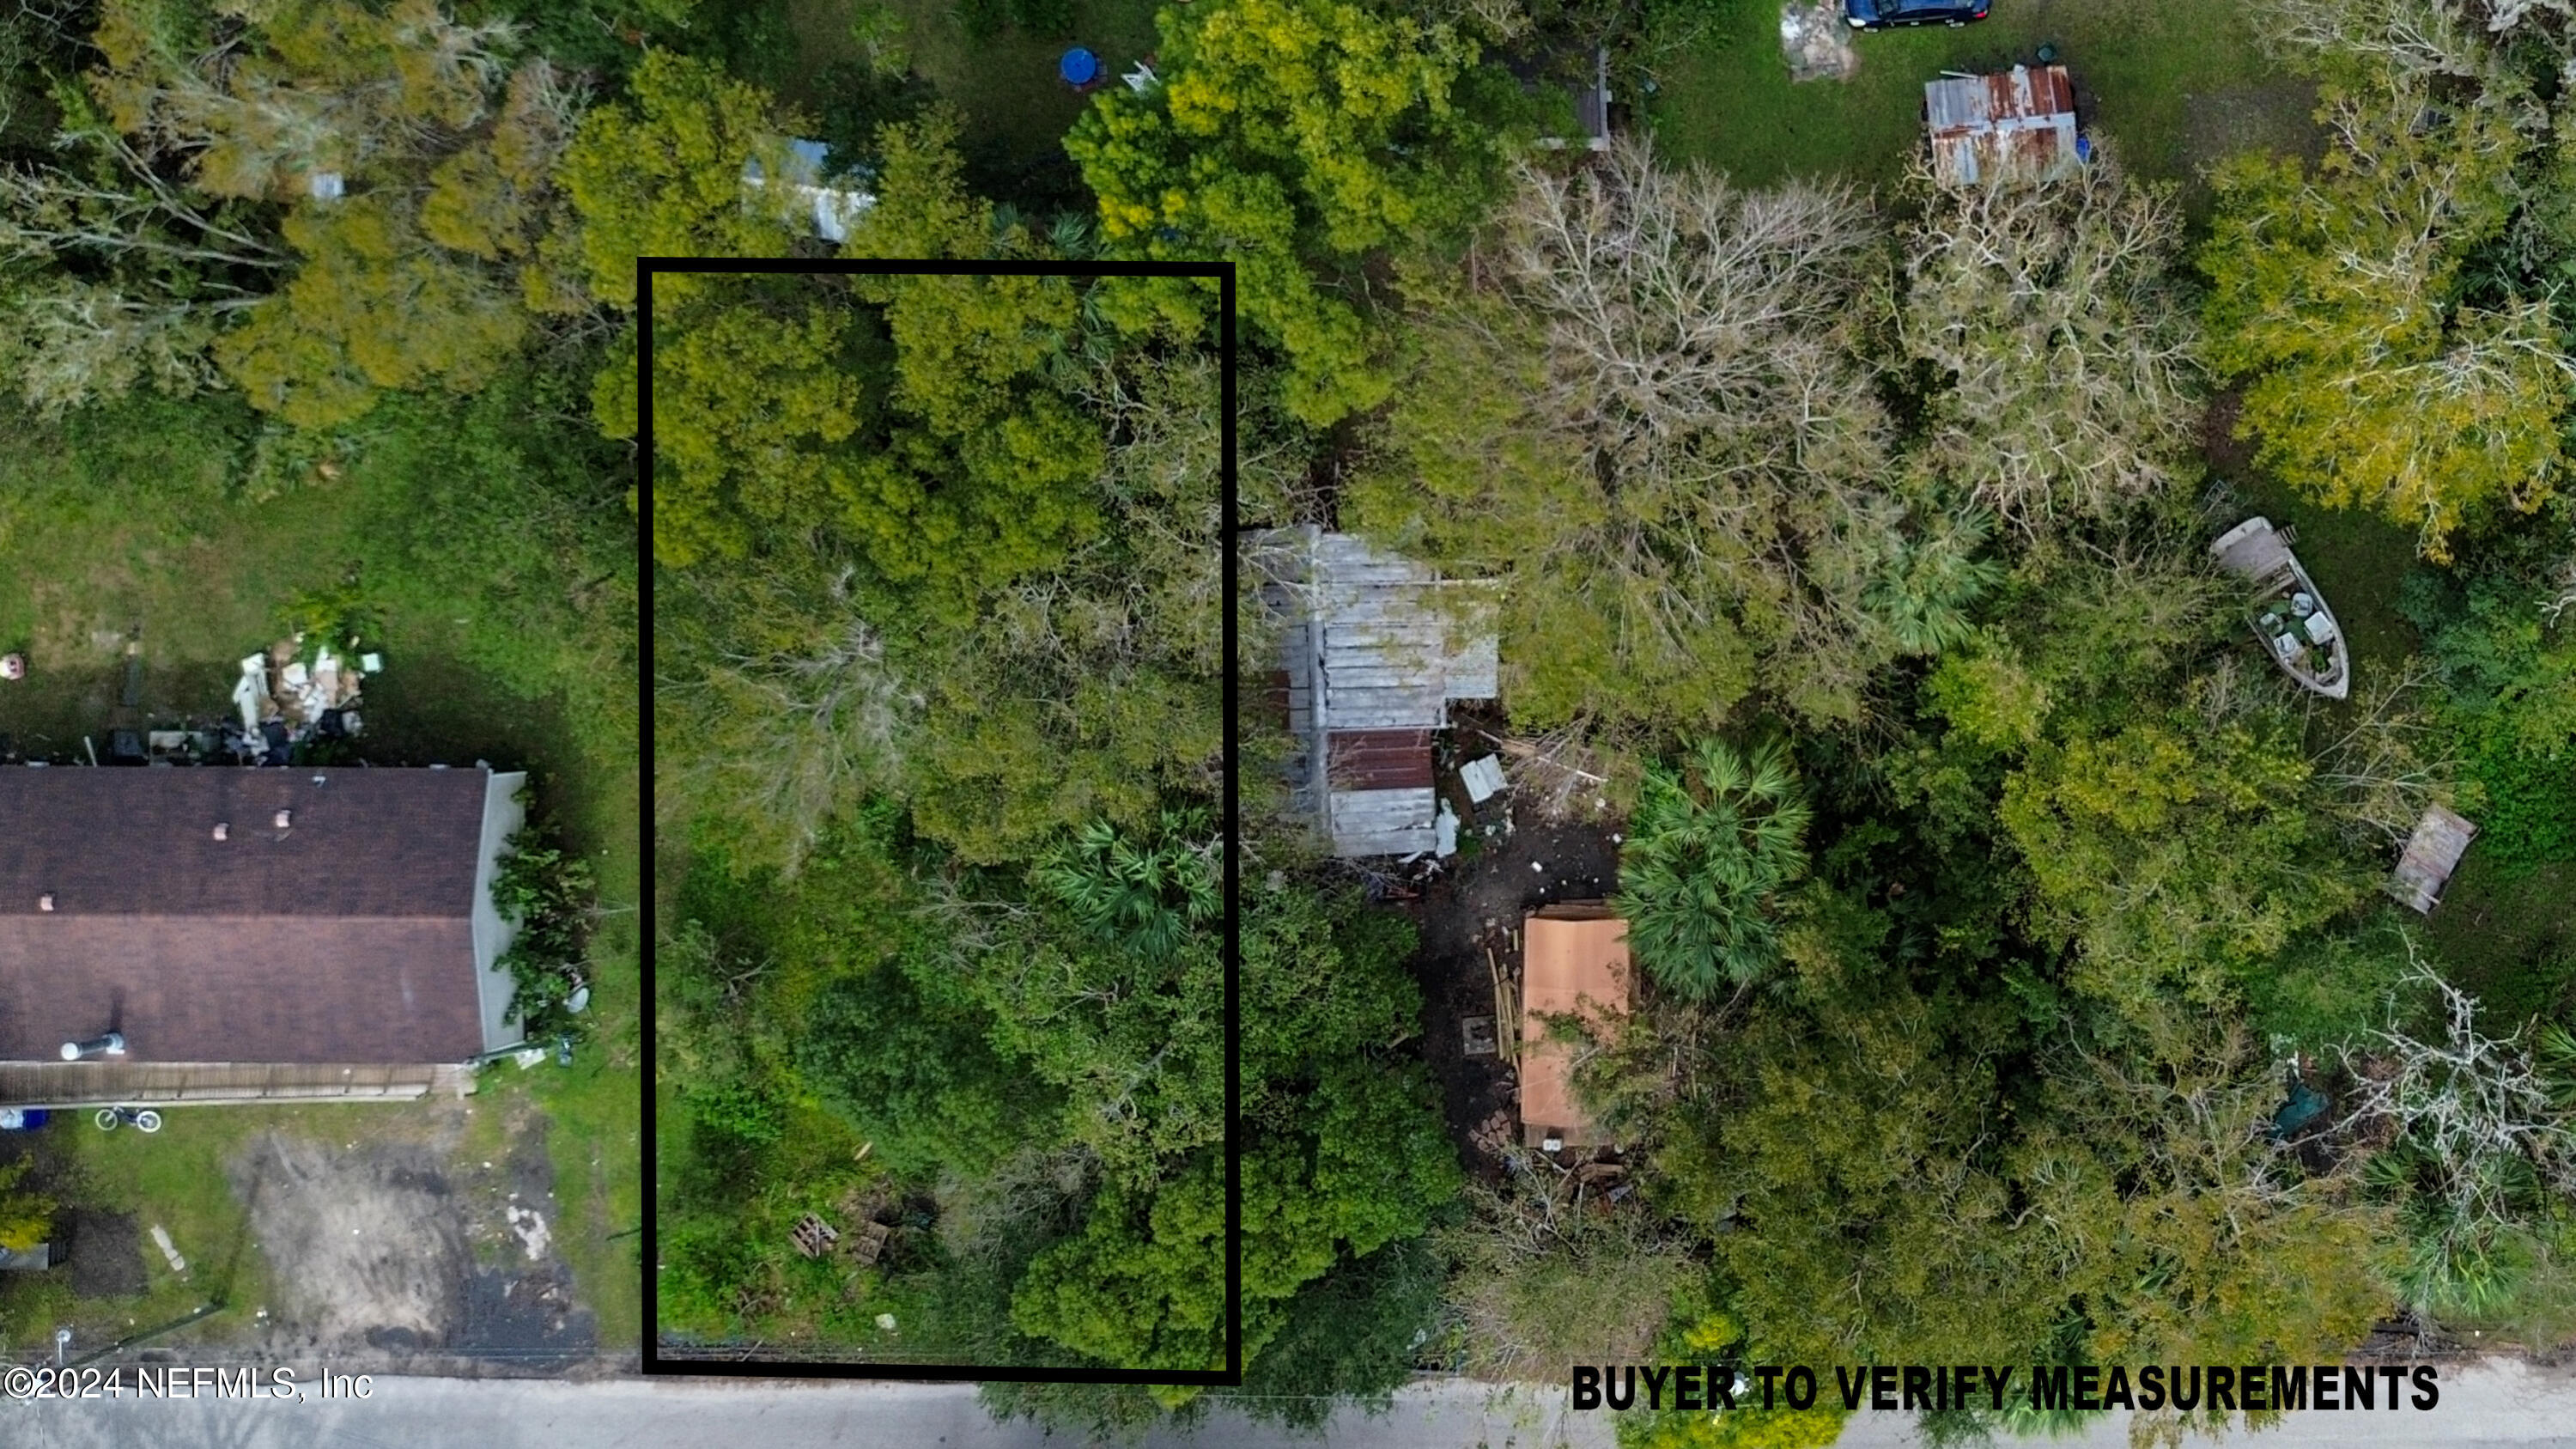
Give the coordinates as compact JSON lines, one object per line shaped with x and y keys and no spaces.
{"x":2371,"y":381}
{"x":1290,"y":132}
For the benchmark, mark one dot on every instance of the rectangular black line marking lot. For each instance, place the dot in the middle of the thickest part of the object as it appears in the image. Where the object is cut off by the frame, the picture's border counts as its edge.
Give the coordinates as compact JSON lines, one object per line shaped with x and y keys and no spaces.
{"x":774,"y":1361}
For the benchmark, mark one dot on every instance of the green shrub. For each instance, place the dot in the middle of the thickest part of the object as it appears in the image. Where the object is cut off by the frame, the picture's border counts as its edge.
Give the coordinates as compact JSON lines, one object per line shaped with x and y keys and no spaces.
{"x":550,"y":893}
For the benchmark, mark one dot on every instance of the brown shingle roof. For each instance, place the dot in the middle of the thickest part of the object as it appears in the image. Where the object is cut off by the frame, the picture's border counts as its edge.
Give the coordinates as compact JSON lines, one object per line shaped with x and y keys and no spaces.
{"x":346,"y":937}
{"x":241,"y":989}
{"x":141,"y":842}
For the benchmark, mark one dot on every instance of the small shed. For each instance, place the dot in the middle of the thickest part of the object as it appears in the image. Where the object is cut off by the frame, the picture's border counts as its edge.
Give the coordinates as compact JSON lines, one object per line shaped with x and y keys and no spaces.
{"x":1574,"y":962}
{"x":1374,"y":649}
{"x":2017,"y":126}
{"x":832,"y":209}
{"x":2432,"y":853}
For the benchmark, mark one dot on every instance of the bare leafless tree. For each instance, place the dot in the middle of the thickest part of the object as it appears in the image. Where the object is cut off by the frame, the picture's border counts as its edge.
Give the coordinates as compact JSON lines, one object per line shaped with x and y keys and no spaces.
{"x":2069,"y":351}
{"x":1700,"y":359}
{"x":2390,"y":760}
{"x":2414,"y":40}
{"x":796,"y":735}
{"x":2464,"y":1101}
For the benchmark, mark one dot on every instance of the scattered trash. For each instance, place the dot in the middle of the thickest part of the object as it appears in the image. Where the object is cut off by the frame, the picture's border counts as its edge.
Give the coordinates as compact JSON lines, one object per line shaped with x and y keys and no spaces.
{"x":161,"y":1235}
{"x":293,"y":692}
{"x":886,"y":1322}
{"x":530,"y":1225}
{"x":1444,"y":830}
{"x":1477,"y":1033}
{"x":1483,"y":778}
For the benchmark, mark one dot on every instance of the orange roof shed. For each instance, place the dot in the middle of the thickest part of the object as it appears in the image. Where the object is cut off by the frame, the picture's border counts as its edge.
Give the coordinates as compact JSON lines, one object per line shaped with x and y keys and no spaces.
{"x":1574,"y":962}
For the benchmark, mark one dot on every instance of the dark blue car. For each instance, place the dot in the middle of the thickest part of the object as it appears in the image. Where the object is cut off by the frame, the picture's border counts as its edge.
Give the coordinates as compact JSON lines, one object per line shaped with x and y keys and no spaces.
{"x":1888,"y":14}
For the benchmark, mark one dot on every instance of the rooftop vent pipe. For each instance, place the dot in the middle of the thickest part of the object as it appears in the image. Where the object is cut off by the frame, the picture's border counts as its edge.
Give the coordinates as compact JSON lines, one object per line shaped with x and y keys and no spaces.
{"x":110,"y":1045}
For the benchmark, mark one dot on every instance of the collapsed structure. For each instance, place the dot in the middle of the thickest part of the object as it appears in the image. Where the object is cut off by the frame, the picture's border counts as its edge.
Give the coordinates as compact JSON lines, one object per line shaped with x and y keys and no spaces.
{"x":1373,"y":649}
{"x":2432,"y":852}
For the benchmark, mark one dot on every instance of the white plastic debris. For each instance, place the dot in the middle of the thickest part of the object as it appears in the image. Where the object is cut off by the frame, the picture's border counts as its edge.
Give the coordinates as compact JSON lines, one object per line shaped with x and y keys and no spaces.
{"x":886,"y":1322}
{"x":161,"y":1236}
{"x":1444,"y":829}
{"x":1483,"y":778}
{"x":579,"y":1001}
{"x":1536,"y":868}
{"x":371,"y":663}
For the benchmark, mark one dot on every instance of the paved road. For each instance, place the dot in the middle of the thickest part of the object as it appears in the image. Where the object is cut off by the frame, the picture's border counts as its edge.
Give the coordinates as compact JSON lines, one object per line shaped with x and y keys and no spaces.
{"x":2487,"y":1408}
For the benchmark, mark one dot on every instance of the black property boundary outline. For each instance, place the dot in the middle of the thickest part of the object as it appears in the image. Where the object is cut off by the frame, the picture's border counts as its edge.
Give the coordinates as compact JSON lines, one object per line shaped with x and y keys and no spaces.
{"x":653,"y":1363}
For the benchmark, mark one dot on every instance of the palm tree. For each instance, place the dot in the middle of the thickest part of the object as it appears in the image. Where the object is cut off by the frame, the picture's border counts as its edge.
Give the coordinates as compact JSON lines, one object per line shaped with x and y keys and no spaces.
{"x":1930,"y":584}
{"x":1705,"y":863}
{"x":1147,"y":894}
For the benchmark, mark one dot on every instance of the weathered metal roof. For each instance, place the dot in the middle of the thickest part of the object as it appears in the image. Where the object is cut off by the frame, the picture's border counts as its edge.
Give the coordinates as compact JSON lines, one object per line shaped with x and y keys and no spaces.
{"x":2017,"y":126}
{"x":2432,"y":853}
{"x":1374,"y":649}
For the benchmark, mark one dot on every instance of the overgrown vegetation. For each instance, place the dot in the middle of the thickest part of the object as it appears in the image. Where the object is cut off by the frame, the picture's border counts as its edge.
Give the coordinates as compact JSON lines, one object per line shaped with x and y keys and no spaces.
{"x":1992,"y":895}
{"x":549,"y":894}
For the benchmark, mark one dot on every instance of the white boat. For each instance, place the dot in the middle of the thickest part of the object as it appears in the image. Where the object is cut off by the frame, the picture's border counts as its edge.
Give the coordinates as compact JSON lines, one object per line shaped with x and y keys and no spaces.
{"x":2286,"y":610}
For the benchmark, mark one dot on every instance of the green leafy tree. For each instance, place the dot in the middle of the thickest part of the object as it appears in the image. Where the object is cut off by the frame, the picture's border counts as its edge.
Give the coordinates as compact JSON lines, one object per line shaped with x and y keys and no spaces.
{"x":1364,"y":1164}
{"x":1709,"y":856}
{"x":663,"y":177}
{"x":1286,"y":132}
{"x":1145,"y":895}
{"x":2174,"y":854}
{"x":373,"y":306}
{"x":754,"y":406}
{"x":917,"y":1076}
{"x":2369,"y":381}
{"x":420,"y":270}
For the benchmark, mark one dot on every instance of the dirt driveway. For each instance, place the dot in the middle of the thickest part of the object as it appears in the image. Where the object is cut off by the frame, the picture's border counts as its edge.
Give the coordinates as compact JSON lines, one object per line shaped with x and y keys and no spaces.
{"x":1538,"y":862}
{"x":412,"y":1246}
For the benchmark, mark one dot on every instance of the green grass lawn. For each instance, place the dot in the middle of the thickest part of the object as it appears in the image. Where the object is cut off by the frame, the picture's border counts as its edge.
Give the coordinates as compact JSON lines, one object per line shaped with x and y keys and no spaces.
{"x":2171,"y":85}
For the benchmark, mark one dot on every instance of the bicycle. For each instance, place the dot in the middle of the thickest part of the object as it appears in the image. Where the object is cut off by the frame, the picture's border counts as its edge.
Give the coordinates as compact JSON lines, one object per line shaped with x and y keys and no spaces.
{"x":143,"y":1118}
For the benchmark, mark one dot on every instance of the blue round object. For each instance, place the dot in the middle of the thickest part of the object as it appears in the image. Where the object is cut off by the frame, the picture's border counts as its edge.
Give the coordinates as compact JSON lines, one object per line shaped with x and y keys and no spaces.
{"x":1079,"y":67}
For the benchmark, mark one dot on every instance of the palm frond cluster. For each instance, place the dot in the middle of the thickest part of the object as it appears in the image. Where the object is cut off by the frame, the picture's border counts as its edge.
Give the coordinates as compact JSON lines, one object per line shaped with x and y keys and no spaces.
{"x":1146,"y":892}
{"x":1708,"y":856}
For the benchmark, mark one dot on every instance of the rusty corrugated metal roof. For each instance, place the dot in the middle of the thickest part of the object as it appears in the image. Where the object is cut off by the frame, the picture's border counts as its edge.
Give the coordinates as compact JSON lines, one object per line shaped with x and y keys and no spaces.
{"x":2019,"y":125}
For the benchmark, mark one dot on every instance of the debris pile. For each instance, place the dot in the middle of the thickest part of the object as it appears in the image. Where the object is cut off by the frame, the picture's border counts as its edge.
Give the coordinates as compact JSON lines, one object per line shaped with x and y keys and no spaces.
{"x":296,"y":691}
{"x":1817,"y":41}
